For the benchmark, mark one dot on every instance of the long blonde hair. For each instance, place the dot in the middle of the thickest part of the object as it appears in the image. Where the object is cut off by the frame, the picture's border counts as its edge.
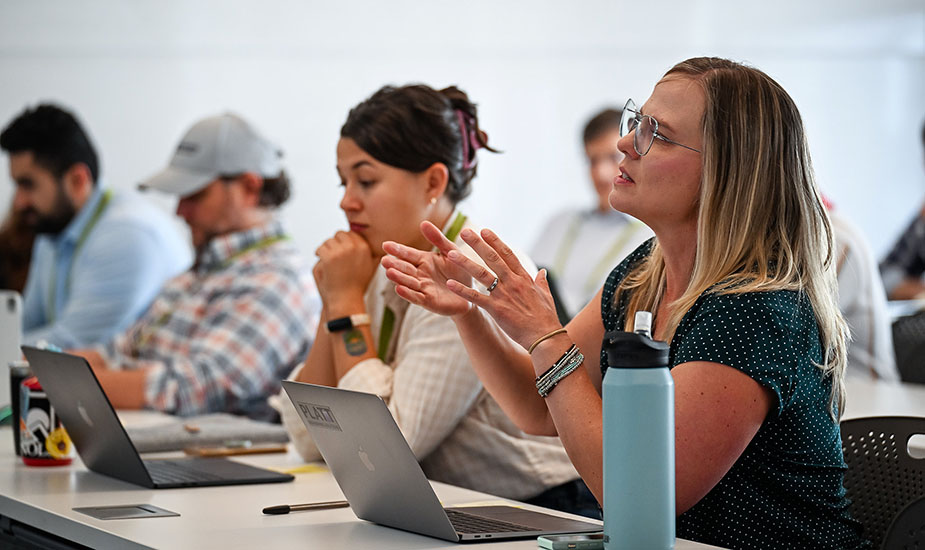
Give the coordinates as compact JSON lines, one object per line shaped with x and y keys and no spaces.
{"x":761,"y":222}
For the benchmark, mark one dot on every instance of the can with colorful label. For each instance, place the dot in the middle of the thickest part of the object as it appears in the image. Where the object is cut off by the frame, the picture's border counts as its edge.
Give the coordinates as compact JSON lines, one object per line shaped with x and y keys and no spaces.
{"x":19,"y":371}
{"x":43,"y":440}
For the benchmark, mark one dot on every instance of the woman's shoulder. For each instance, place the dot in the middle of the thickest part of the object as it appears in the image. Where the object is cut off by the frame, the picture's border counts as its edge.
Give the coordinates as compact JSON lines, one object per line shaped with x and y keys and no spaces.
{"x":612,"y":313}
{"x":781,"y":303}
{"x":626,"y":266}
{"x":776,"y":322}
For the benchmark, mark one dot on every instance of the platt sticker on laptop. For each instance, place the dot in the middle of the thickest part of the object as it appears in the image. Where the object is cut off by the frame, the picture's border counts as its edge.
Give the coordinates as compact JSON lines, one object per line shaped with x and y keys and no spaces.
{"x":319,"y":415}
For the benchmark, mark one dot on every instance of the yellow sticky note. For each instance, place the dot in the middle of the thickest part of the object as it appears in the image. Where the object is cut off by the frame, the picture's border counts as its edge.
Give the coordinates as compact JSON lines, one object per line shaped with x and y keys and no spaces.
{"x":303,"y":469}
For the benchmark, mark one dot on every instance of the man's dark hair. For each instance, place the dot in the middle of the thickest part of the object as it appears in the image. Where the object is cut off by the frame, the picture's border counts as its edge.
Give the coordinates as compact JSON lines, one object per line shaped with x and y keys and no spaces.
{"x":54,"y":137}
{"x":601,"y":123}
{"x":275,"y":191}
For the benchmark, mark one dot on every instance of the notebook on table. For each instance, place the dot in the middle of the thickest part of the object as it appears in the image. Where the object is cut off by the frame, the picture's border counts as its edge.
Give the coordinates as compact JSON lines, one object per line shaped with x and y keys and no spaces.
{"x":105,"y":447}
{"x":381,"y":478}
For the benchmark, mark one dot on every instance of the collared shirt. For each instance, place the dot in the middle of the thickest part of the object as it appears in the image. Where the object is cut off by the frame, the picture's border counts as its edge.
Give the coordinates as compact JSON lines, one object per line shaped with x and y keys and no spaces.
{"x":580,"y":247}
{"x":907,"y":257}
{"x":458,"y":432}
{"x":79,"y":296}
{"x":221,"y":336}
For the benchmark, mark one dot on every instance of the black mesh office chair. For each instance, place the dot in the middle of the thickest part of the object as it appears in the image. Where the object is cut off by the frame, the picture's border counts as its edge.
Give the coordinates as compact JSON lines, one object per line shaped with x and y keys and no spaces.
{"x":882,"y":479}
{"x":908,"y":529}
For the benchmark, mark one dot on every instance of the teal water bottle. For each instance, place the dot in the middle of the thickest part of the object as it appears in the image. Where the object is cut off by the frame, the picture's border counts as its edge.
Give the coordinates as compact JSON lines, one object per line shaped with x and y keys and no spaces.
{"x":639,"y":480}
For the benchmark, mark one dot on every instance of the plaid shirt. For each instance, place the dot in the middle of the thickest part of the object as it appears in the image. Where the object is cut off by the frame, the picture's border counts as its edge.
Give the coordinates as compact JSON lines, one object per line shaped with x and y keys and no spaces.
{"x":907,"y":257}
{"x":221,"y":336}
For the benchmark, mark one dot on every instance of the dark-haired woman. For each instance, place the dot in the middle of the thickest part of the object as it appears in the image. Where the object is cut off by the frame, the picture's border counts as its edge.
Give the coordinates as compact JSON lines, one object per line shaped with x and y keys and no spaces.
{"x":408,"y":155}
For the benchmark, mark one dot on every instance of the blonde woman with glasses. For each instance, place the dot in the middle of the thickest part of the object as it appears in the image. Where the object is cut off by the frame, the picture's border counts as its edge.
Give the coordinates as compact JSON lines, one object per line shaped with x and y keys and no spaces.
{"x":741,"y":281}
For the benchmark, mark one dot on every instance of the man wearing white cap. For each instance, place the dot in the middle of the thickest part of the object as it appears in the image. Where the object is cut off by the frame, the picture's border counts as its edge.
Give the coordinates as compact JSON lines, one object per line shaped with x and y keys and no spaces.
{"x":220,"y":337}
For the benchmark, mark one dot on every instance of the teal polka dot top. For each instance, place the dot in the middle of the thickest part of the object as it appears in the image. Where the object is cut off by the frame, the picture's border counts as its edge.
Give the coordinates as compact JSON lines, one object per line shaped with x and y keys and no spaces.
{"x":785,"y":491}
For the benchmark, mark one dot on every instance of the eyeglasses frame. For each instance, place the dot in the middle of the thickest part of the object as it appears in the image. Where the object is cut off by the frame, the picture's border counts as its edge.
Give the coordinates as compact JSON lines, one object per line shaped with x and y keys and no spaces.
{"x":637,"y":118}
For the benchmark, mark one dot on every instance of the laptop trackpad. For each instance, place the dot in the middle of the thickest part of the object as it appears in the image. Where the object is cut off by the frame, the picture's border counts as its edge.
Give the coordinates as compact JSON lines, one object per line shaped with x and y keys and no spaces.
{"x":126,"y":511}
{"x":529,"y":518}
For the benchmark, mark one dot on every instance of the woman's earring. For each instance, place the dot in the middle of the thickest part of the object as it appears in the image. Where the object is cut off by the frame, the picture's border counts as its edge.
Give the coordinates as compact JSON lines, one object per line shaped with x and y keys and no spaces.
{"x":433,"y":201}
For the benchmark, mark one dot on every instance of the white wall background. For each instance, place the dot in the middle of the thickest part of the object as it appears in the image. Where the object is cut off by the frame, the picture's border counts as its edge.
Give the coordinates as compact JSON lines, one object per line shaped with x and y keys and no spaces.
{"x":139,"y":73}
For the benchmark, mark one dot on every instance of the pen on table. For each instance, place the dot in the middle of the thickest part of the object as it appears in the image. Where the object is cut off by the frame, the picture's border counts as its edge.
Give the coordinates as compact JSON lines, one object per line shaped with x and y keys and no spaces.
{"x":286,"y":508}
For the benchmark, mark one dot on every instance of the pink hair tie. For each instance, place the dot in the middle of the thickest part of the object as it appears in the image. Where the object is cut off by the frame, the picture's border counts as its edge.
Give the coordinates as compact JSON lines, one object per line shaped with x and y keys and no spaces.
{"x":470,"y":141}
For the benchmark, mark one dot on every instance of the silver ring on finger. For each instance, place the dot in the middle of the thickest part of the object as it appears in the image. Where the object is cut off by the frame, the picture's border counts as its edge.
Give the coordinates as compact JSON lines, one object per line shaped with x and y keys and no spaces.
{"x":492,"y":285}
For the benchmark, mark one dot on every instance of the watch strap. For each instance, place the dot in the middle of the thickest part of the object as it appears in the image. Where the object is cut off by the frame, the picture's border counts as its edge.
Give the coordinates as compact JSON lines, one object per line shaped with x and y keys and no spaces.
{"x":347,"y":323}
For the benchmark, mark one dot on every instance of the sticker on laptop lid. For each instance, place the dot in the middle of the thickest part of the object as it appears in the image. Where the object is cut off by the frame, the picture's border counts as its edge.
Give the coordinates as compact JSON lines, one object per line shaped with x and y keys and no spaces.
{"x":319,"y":415}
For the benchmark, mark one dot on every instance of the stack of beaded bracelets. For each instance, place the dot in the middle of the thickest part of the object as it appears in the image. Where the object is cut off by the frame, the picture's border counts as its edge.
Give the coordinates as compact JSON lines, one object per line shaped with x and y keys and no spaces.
{"x":559,"y":370}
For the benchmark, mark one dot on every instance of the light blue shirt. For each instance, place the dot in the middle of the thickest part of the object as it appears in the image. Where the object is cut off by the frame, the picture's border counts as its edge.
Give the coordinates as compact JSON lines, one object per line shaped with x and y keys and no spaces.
{"x":77,"y":300}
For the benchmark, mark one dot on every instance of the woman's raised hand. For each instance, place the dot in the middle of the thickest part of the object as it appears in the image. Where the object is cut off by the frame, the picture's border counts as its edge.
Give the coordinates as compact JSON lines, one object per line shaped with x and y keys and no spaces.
{"x":441,"y":281}
{"x":521,"y":304}
{"x":421,"y":277}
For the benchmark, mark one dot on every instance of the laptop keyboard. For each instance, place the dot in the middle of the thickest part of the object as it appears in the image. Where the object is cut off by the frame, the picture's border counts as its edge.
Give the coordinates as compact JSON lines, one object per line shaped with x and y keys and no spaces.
{"x":469,"y":523}
{"x":168,"y":471}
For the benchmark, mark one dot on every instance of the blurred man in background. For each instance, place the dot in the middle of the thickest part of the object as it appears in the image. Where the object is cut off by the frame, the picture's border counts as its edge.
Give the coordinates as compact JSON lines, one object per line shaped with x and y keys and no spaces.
{"x":101,"y":256}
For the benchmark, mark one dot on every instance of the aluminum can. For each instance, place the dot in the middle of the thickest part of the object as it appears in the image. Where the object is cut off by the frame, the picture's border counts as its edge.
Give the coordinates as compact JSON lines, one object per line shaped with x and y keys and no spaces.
{"x":43,"y":440}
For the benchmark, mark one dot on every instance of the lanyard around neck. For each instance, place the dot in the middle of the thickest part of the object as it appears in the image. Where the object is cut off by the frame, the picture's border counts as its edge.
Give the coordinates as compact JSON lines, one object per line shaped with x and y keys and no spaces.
{"x":91,"y":223}
{"x":261,"y":244}
{"x":387,"y":327}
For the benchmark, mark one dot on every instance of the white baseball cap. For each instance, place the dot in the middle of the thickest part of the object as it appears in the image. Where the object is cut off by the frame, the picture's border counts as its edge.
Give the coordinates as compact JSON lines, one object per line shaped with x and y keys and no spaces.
{"x":223,"y":145}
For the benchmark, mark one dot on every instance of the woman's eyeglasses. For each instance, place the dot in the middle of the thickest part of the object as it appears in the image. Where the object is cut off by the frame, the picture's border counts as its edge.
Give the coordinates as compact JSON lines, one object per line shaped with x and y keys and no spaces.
{"x":646,"y":129}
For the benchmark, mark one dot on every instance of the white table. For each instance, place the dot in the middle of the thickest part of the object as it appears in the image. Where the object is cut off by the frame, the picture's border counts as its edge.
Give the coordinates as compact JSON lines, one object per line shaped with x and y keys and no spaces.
{"x":214,"y":517}
{"x":872,"y":398}
{"x":230,"y":517}
{"x":901,"y":308}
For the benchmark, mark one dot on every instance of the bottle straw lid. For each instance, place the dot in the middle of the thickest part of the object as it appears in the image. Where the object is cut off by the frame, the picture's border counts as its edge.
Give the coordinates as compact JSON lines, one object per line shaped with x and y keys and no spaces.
{"x":628,"y":350}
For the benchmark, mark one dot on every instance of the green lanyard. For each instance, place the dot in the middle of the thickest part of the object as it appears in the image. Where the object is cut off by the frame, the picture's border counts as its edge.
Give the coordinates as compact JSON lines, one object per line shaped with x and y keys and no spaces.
{"x":606,"y":262}
{"x":387,"y":327}
{"x":455,"y":228}
{"x":52,"y":290}
{"x":256,"y":246}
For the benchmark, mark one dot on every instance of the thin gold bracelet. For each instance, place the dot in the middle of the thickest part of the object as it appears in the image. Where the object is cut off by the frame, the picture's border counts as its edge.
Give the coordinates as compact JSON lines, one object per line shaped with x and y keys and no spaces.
{"x":545,"y":337}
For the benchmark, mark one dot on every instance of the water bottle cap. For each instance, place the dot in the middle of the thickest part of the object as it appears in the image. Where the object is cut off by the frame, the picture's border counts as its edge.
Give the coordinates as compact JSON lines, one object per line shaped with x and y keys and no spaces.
{"x":626,"y":350}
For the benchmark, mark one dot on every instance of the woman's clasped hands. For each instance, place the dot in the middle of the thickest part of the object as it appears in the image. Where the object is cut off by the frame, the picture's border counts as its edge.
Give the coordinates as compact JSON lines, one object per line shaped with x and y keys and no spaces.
{"x":345,"y":266}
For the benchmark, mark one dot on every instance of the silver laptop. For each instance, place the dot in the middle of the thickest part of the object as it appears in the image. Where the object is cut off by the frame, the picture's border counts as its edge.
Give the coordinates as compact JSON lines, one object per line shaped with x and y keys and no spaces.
{"x":383,"y":481}
{"x":10,"y":338}
{"x":105,"y":447}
